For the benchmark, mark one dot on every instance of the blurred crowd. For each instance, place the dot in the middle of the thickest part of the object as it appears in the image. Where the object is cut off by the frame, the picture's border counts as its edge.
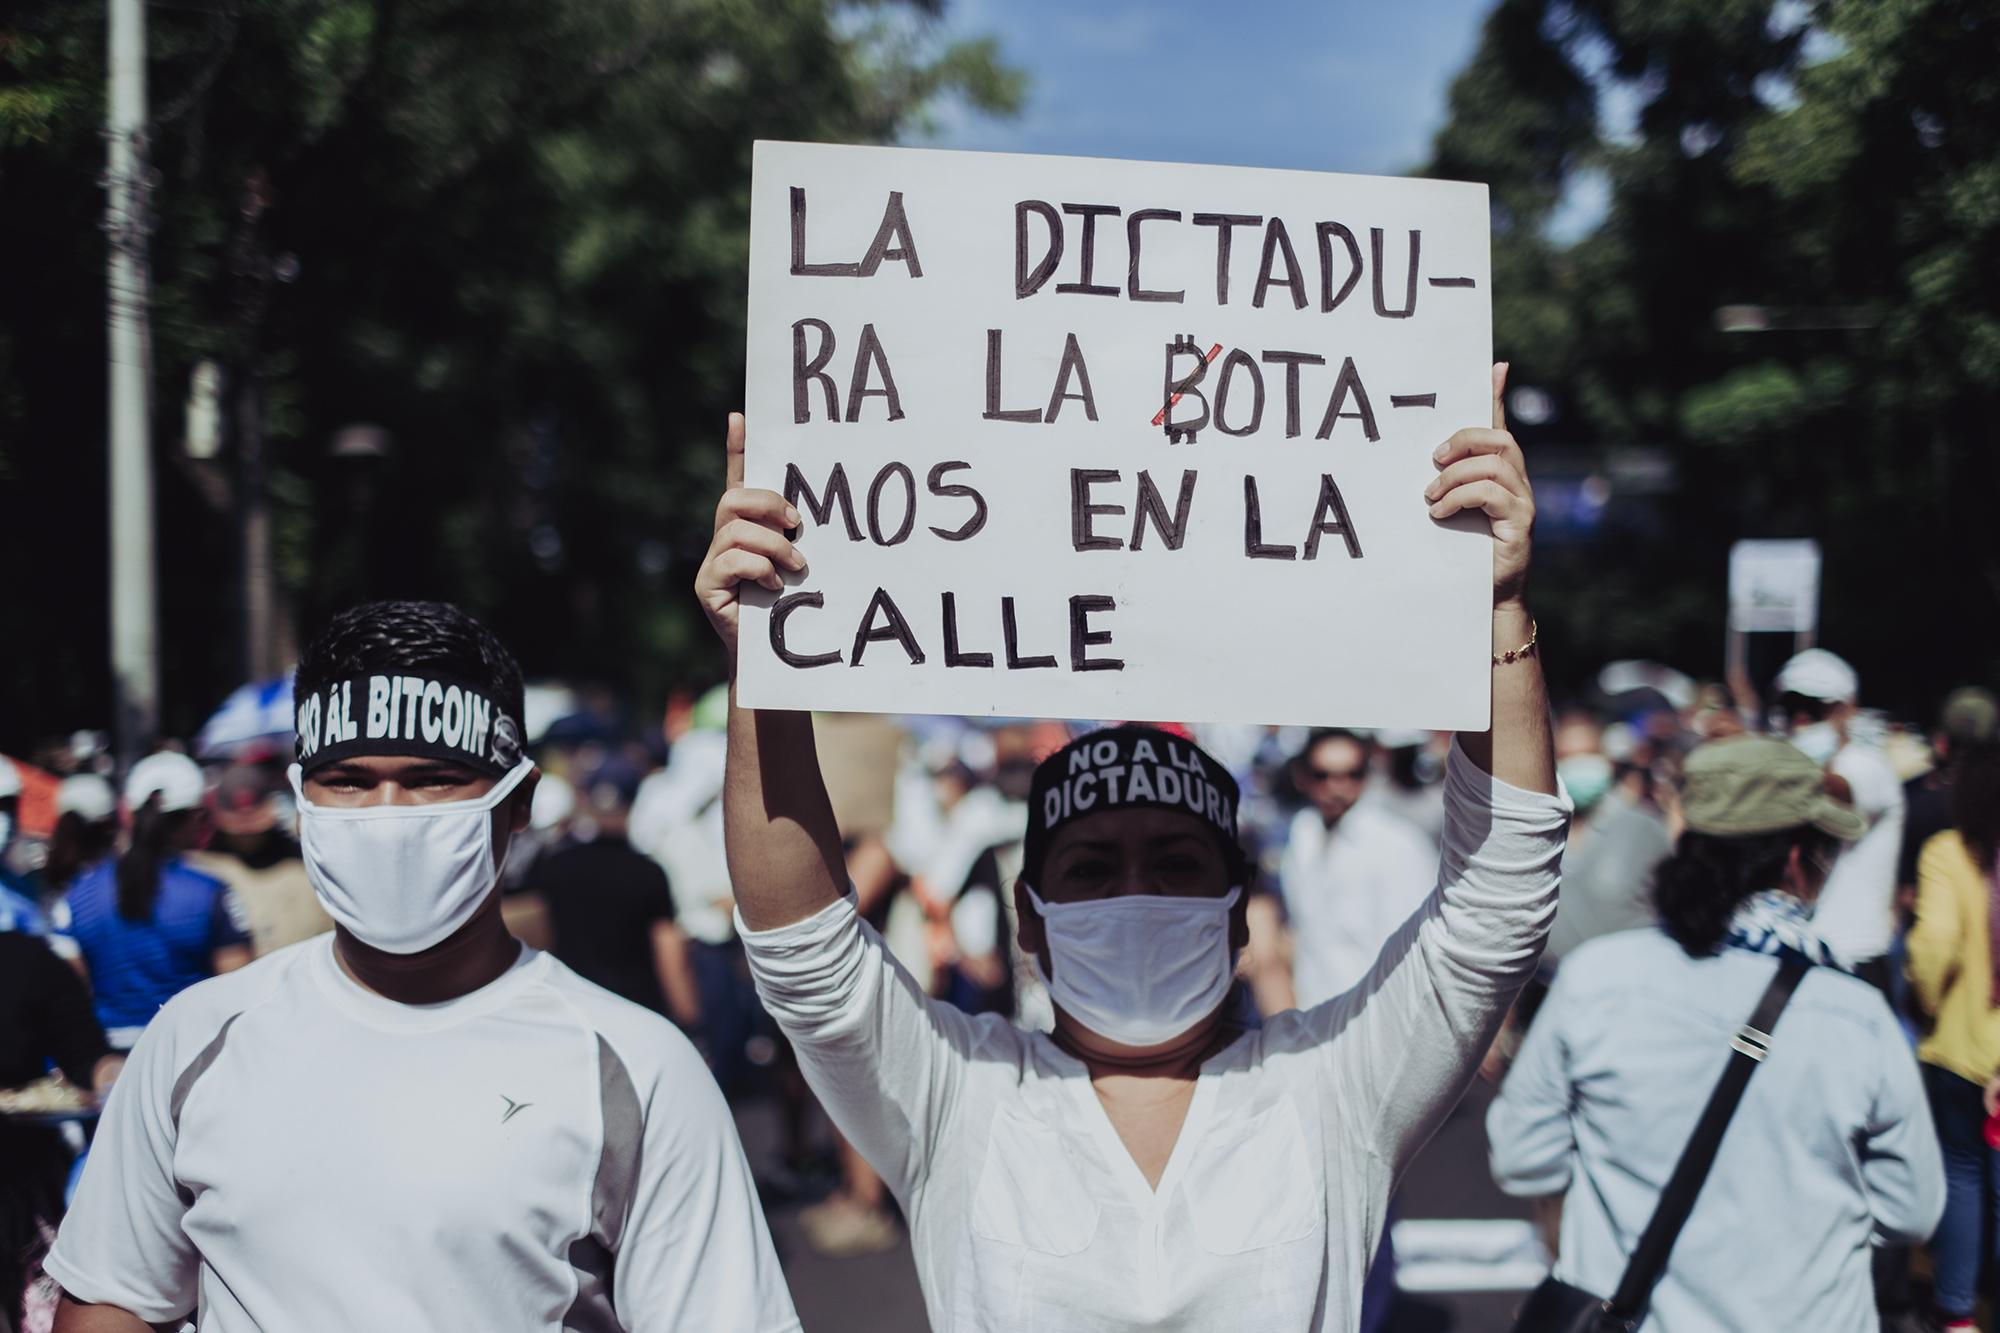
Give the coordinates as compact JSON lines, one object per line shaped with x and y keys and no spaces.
{"x":118,"y":890}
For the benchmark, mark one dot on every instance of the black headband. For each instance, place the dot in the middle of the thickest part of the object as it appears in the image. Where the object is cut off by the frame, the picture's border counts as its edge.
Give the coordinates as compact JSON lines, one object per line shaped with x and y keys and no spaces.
{"x":425,"y":714}
{"x":1129,"y":768}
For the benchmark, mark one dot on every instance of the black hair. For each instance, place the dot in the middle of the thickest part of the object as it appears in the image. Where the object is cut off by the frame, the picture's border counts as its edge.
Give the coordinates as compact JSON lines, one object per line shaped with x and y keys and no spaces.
{"x":153,"y":834}
{"x":1698,"y":888}
{"x":409,"y":636}
{"x":1804,"y":705}
{"x":1320,"y":735}
{"x":76,"y":843}
{"x":1975,"y":802}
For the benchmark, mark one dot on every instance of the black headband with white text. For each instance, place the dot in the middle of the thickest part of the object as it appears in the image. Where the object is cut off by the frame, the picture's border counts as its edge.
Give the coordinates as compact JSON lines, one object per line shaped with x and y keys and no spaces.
{"x":1129,"y":768}
{"x":432,"y":716}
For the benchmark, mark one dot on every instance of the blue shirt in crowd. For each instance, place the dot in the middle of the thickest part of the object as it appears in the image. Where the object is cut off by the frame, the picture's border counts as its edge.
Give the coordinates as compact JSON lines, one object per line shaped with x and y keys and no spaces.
{"x":18,"y":911}
{"x":137,"y":966}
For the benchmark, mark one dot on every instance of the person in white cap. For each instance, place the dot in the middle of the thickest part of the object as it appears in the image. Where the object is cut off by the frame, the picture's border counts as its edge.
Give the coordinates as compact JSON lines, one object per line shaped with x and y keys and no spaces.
{"x":146,"y":925}
{"x":256,"y":855}
{"x":1856,"y":915}
{"x":86,"y":831}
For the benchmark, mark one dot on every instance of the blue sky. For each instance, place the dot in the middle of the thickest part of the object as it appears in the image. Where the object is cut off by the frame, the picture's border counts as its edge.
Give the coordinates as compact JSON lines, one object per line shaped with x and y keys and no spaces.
{"x":1337,"y":85}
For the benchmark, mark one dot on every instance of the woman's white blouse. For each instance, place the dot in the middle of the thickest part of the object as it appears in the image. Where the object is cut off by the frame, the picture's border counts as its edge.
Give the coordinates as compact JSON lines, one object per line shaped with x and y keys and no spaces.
{"x":1026,"y":1211}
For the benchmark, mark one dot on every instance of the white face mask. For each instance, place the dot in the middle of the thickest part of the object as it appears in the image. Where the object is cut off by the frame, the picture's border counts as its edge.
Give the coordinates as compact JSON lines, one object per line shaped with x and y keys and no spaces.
{"x":402,"y":878}
{"x":1140,"y":969}
{"x":1820,"y":741}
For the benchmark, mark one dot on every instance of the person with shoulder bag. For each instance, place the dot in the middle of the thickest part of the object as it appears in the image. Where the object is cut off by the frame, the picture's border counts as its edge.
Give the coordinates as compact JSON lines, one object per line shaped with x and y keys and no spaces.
{"x":1735,"y":1121}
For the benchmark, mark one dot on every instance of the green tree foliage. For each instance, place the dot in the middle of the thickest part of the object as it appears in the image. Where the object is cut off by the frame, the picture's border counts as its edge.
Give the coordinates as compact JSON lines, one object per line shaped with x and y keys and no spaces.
{"x":510,"y":232}
{"x":1837,"y":164}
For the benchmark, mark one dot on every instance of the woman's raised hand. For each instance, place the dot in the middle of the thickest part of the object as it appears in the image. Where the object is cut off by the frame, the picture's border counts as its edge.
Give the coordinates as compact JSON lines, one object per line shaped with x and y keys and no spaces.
{"x":1482,"y":468}
{"x":749,"y":546}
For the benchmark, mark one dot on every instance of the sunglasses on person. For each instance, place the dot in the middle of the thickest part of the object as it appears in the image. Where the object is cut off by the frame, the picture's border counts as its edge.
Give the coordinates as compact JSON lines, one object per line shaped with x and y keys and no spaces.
{"x":1315,"y":775}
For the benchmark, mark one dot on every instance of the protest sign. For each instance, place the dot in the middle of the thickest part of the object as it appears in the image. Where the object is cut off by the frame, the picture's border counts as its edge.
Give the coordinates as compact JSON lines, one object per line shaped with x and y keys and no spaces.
{"x":1774,"y":585}
{"x":1100,"y":439}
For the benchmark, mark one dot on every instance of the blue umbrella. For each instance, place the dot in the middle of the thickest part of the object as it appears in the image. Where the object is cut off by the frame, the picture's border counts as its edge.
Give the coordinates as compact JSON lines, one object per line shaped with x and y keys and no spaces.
{"x":255,"y":715}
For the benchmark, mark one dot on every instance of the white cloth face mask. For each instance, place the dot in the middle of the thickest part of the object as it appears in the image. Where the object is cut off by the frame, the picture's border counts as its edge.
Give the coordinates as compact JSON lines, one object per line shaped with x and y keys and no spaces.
{"x":1819,"y":740}
{"x":1140,"y":969}
{"x":402,"y":878}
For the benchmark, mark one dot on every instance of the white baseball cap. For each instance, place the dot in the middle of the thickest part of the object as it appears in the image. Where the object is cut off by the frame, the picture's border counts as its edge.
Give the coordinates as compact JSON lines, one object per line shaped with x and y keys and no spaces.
{"x":10,"y":781}
{"x":555,"y":801}
{"x":88,"y":795}
{"x":1819,"y":674}
{"x":175,"y":778}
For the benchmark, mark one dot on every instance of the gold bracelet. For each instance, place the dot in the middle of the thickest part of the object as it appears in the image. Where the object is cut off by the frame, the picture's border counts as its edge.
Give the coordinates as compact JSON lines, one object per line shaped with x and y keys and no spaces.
{"x":1513,"y":655}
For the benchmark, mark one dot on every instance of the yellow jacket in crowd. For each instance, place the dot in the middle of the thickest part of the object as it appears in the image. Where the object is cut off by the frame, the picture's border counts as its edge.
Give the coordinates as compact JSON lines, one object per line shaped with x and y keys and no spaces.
{"x":1951,"y":961}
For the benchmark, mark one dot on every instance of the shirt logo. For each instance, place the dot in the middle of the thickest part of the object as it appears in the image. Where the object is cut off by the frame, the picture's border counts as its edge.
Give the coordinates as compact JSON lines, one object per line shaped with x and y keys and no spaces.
{"x":514,"y":1108}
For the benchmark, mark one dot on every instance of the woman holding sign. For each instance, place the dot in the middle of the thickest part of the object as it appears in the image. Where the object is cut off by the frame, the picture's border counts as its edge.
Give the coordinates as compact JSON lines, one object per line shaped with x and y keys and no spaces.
{"x":1148,"y":1164}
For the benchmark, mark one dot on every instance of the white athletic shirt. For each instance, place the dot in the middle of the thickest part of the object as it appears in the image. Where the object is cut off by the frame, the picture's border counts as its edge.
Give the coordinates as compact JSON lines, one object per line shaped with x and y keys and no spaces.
{"x":291,"y":1152}
{"x":1026,"y":1211}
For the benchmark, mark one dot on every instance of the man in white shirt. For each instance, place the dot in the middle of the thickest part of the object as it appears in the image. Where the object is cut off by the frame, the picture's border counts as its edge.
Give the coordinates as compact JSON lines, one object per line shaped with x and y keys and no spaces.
{"x":414,"y":1122}
{"x":1353,"y":871}
{"x":1857,"y":909}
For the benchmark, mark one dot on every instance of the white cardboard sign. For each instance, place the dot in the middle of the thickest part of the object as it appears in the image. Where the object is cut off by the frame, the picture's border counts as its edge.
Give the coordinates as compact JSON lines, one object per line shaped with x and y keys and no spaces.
{"x":957,"y":369}
{"x":1774,"y":585}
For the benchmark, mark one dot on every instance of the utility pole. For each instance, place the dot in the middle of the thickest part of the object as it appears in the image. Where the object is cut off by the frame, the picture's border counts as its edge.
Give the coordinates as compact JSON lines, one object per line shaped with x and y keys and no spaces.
{"x":134,"y":633}
{"x":253,"y":270}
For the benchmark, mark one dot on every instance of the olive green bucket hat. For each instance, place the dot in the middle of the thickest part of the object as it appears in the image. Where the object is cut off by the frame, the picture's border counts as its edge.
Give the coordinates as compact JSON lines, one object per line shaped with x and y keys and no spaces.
{"x":1753,"y":784}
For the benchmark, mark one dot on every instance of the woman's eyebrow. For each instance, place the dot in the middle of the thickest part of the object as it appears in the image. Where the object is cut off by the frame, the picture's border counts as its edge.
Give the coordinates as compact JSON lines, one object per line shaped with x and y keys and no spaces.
{"x":1178,"y":841}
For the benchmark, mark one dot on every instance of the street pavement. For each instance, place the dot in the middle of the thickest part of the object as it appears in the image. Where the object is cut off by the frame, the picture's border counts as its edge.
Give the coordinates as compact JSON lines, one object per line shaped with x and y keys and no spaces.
{"x":878,"y":1293}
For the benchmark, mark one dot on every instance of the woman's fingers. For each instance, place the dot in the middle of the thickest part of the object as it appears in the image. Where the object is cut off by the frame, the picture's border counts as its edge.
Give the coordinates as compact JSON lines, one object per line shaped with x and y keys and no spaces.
{"x":1479,"y":467}
{"x":750,"y":544}
{"x":1496,"y":500}
{"x":745,"y":534}
{"x":740,"y":501}
{"x":1475,"y":440}
{"x":737,"y":565}
{"x":1500,"y":395}
{"x":757,"y":506}
{"x":733,"y":445}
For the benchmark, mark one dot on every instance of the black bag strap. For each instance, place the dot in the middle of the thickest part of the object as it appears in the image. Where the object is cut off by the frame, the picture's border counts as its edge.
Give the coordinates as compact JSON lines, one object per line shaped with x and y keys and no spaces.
{"x":1748,"y":1049}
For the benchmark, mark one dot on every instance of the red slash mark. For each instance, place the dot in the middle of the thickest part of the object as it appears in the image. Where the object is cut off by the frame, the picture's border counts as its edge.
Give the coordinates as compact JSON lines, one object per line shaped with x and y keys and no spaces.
{"x":1185,"y":384}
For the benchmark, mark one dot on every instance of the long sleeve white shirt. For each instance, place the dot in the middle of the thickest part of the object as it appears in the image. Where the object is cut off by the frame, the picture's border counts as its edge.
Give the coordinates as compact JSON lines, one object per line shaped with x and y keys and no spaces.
{"x":1026,"y":1211}
{"x":1831,"y":1145}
